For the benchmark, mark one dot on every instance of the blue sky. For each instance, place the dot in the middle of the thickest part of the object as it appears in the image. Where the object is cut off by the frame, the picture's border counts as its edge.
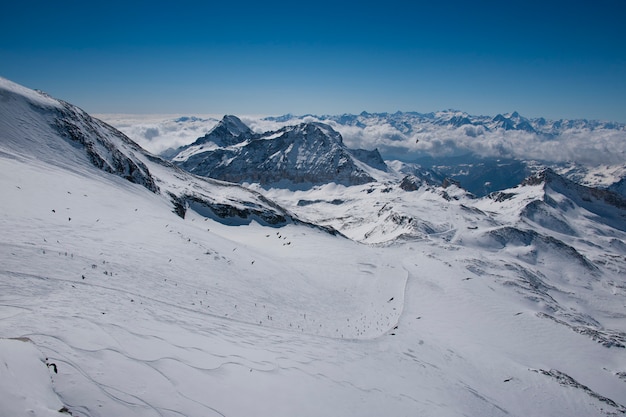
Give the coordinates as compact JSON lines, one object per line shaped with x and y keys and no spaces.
{"x":554,"y":59}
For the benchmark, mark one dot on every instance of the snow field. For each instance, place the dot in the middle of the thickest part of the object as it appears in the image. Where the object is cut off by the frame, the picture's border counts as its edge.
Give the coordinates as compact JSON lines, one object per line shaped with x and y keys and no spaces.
{"x":137,"y":336}
{"x":464,"y":307}
{"x":25,"y":385}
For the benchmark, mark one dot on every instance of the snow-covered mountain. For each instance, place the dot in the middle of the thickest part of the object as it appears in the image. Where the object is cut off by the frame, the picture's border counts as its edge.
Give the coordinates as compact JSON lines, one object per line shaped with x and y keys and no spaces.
{"x":131,"y":287}
{"x":65,"y":135}
{"x":308,"y":153}
{"x":409,"y":123}
{"x":485,"y":153}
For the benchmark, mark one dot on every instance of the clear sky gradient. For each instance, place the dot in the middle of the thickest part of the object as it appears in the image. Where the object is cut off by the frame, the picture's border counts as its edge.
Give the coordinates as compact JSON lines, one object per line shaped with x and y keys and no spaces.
{"x":551,"y":58}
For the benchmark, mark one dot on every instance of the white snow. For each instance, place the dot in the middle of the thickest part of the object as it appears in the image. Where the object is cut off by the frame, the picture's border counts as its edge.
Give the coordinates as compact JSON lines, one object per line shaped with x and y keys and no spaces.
{"x":35,"y":97}
{"x":26,"y":386}
{"x":148,"y":314}
{"x":192,"y":150}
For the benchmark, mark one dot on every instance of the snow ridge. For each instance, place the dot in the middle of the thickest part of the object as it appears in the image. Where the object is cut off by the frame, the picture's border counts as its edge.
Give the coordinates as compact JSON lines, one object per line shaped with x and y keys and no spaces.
{"x":37,"y":126}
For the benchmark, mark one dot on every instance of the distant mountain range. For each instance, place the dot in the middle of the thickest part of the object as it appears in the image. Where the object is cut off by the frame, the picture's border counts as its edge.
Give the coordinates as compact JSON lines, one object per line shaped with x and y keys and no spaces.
{"x":310,"y":150}
{"x":412,"y":122}
{"x":485,"y":153}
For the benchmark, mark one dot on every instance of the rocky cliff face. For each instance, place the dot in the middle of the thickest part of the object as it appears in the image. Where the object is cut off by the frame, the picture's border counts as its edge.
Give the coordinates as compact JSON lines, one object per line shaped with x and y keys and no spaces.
{"x":107,"y":148}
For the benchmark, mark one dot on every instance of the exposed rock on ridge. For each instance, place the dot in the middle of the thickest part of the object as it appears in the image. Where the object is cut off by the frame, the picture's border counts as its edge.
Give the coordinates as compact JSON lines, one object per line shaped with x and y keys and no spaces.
{"x":308,"y":153}
{"x":40,"y":127}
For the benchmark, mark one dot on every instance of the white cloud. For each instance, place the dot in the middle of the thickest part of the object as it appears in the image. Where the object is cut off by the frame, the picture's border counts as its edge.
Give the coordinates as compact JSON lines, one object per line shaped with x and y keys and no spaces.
{"x":586,"y":146}
{"x":259,"y":125}
{"x":592,"y":147}
{"x":156,"y":133}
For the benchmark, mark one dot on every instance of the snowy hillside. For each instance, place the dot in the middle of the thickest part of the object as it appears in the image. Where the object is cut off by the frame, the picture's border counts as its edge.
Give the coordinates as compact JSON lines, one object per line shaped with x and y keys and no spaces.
{"x":131,"y":288}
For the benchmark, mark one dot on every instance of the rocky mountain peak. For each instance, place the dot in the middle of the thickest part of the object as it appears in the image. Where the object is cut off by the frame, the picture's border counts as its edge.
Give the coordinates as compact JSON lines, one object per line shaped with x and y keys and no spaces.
{"x":322,"y":131}
{"x":306,"y":153}
{"x":544,"y":176}
{"x":233,"y":125}
{"x":229,"y":131}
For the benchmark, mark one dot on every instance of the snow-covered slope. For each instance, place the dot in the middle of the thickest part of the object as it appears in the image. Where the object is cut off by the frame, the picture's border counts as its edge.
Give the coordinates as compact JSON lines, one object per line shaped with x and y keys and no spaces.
{"x":148,"y":312}
{"x":26,"y":387}
{"x":309,"y":153}
{"x":555,"y":242}
{"x":61,"y":134}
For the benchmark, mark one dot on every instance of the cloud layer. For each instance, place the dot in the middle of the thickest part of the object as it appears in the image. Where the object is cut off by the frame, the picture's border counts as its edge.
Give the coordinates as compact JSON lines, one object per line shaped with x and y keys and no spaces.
{"x":590,"y":146}
{"x":157,"y":133}
{"x":582,"y":145}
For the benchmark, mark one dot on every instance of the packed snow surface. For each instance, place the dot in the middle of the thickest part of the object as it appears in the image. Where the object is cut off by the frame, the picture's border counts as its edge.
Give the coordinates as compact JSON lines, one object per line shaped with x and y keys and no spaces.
{"x":428,"y":303}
